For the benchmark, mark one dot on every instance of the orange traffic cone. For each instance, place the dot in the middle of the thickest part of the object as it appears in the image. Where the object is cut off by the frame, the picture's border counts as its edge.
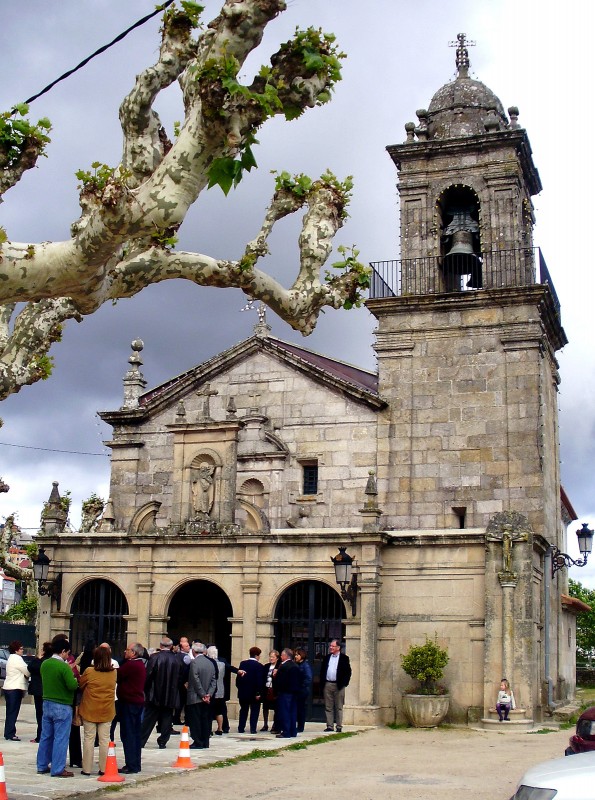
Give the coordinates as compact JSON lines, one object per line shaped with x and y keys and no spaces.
{"x":183,"y":760}
{"x":111,"y":774}
{"x":3,"y":795}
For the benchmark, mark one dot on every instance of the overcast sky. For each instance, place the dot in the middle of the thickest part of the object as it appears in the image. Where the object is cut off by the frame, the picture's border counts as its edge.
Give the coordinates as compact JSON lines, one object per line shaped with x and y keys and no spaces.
{"x":535,"y":54}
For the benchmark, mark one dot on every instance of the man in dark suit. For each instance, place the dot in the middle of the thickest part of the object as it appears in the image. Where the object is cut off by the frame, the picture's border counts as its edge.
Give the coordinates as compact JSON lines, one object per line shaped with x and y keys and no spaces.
{"x":335,"y":674}
{"x":162,"y":692}
{"x":287,"y":683}
{"x":250,"y":685}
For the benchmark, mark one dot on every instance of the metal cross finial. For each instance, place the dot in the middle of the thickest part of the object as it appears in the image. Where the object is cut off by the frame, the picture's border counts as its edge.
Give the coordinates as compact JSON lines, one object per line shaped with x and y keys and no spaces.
{"x":462,"y":55}
{"x":261,"y":328}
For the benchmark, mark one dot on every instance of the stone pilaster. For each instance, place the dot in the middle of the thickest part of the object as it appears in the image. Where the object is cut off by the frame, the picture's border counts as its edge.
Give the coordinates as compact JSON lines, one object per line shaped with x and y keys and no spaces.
{"x":250,"y":584}
{"x":368,"y":602}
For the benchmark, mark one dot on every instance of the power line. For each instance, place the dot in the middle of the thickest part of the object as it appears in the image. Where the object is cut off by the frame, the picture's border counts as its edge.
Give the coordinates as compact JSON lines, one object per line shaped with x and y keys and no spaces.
{"x":52,"y":450}
{"x":105,"y":47}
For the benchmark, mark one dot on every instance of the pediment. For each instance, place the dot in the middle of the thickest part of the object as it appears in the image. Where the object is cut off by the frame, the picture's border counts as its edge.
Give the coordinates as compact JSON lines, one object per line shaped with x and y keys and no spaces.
{"x":357,"y":384}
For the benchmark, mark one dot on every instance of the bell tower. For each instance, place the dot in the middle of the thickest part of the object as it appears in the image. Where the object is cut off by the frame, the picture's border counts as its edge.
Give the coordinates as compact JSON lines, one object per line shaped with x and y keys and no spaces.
{"x":468,"y":323}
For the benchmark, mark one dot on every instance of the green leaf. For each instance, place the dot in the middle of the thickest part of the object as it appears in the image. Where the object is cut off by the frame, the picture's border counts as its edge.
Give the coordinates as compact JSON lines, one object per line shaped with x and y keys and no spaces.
{"x":22,"y":108}
{"x":313,"y":60}
{"x":248,"y":161}
{"x":292,"y":112}
{"x":222,"y":172}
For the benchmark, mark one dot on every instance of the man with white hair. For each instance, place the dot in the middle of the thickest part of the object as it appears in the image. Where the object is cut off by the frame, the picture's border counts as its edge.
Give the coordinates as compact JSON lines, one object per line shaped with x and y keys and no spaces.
{"x":162,"y":692}
{"x":202,"y":686}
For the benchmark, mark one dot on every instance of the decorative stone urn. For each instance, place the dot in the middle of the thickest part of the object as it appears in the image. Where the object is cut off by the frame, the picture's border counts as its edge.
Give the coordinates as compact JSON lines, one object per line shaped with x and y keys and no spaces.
{"x":425,"y":710}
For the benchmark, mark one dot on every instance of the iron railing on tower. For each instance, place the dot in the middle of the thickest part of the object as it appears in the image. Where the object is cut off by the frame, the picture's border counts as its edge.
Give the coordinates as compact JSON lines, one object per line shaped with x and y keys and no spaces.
{"x":436,"y":274}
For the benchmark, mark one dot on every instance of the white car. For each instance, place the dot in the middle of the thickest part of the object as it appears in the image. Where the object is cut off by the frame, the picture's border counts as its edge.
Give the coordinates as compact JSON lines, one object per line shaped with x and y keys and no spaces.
{"x":567,"y":778}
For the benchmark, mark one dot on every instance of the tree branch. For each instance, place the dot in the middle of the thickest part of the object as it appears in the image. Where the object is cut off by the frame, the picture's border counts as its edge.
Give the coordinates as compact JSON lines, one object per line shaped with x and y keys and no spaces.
{"x":119,"y":245}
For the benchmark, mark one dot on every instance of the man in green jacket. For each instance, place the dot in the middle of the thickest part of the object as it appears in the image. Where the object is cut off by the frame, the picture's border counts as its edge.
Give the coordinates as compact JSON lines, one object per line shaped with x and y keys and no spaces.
{"x":59,"y":686}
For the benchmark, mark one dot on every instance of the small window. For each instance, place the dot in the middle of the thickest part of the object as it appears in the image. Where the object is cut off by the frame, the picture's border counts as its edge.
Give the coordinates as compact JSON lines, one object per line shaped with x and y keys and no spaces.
{"x":310,"y":479}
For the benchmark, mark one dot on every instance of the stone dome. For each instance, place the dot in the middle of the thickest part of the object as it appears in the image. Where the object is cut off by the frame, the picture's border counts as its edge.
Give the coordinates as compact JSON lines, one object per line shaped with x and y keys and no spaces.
{"x":463,"y":106}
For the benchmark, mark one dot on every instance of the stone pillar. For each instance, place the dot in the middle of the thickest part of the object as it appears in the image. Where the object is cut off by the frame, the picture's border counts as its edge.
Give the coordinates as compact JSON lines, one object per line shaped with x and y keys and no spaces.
{"x":368,"y":607}
{"x":508,"y":587}
{"x":509,"y":640}
{"x":369,"y":589}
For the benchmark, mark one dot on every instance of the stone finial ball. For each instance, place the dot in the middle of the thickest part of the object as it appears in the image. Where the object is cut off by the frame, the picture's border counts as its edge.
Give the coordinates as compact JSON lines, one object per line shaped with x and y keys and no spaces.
{"x":137,"y":344}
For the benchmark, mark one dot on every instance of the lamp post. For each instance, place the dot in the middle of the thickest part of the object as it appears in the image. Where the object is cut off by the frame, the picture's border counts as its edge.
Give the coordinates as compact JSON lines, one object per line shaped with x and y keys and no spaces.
{"x":585,"y":545}
{"x":346,"y":577}
{"x":41,"y":566}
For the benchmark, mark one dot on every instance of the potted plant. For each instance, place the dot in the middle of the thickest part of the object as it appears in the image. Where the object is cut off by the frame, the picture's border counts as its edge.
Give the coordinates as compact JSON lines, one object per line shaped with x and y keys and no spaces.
{"x":427,"y":705}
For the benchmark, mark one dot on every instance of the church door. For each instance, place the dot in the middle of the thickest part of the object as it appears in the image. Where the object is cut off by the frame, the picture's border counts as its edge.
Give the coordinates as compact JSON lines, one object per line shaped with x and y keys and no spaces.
{"x":309,"y":615}
{"x":201,"y":610}
{"x":98,"y":612}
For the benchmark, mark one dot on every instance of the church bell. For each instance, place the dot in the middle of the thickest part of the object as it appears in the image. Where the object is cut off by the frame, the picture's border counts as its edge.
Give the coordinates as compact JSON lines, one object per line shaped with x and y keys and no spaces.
{"x":462,"y":260}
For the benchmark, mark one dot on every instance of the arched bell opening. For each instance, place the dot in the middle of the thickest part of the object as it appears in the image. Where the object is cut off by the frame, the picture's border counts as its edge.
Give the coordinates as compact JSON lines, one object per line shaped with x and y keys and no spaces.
{"x":460,"y":248}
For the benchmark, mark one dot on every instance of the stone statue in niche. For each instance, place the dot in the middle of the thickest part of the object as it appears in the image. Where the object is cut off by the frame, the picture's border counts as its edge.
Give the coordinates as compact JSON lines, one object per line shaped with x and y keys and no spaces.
{"x":203,"y":489}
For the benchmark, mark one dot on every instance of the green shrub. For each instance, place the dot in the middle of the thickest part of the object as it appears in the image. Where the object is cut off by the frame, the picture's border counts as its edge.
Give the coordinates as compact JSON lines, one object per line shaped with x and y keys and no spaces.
{"x":425,"y":664}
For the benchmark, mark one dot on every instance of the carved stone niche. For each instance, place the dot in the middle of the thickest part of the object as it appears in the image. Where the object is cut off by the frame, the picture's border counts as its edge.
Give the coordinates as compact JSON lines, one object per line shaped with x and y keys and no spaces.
{"x":204,"y":485}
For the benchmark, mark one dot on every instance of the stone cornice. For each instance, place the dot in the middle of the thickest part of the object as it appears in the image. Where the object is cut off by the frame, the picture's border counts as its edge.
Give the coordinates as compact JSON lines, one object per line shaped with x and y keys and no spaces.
{"x":456,"y":148}
{"x":536,"y":294}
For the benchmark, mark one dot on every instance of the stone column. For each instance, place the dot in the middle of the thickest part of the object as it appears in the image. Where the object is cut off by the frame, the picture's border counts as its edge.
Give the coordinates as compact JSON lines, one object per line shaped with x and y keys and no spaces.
{"x":508,"y":587}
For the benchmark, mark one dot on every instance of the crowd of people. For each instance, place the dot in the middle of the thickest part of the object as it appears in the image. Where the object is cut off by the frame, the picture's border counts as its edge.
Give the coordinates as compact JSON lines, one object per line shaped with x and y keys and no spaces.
{"x":179,"y":683}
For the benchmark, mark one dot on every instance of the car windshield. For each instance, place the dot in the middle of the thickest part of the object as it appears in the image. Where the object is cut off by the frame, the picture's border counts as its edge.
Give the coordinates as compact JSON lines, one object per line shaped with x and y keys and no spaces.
{"x":585,"y":728}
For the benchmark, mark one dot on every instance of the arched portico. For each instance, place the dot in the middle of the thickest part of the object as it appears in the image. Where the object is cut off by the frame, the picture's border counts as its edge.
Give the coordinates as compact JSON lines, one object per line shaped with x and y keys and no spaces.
{"x":309,"y":614}
{"x":202,"y":610}
{"x":98,"y":613}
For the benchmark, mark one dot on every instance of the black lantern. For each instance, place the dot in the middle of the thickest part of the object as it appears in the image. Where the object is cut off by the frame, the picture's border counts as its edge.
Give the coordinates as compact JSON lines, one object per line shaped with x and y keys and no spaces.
{"x":346,"y":577}
{"x":41,"y":566}
{"x":585,"y":545}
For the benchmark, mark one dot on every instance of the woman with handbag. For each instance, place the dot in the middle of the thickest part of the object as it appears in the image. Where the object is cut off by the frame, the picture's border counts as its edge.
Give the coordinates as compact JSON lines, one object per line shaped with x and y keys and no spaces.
{"x":97,"y":707}
{"x":15,"y":686}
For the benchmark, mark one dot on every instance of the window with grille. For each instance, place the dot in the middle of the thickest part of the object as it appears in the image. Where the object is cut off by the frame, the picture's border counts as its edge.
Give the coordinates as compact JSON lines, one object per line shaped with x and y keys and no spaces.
{"x":310,"y":475}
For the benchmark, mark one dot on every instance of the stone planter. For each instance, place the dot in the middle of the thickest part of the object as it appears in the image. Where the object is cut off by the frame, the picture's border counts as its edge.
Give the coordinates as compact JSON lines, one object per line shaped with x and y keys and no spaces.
{"x":425,"y":710}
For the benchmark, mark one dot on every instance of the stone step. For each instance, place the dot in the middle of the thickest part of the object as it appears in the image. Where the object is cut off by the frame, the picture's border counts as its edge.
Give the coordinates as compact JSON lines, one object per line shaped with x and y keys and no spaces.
{"x":513,"y":724}
{"x":565,"y":713}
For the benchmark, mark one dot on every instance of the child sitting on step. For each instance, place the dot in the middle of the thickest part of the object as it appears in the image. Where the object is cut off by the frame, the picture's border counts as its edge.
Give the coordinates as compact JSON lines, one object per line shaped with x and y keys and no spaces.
{"x":505,"y":701}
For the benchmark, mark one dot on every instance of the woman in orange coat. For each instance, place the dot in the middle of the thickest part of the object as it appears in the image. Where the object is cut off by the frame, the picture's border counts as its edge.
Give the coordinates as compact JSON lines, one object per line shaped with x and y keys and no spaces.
{"x":97,"y":707}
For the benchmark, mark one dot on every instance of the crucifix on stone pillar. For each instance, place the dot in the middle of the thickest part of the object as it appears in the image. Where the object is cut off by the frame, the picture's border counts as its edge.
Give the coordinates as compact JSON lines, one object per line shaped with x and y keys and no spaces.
{"x":508,"y":536}
{"x":205,"y":393}
{"x":509,"y":528}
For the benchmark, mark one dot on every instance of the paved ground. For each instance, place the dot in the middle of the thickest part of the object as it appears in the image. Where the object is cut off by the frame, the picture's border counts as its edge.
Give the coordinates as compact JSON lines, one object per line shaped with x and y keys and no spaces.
{"x":409,"y":764}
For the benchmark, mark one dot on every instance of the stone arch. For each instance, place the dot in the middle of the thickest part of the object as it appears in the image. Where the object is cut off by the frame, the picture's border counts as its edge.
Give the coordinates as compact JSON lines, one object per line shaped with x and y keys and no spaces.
{"x":145,"y":518}
{"x":251,"y":517}
{"x":201,"y":609}
{"x":98,"y":610}
{"x":308,"y":613}
{"x":202,"y":453}
{"x":458,"y":221}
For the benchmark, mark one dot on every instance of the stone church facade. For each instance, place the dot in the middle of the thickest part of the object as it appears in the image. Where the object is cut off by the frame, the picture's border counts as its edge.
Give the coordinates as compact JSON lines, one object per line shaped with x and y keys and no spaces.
{"x":233,"y":484}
